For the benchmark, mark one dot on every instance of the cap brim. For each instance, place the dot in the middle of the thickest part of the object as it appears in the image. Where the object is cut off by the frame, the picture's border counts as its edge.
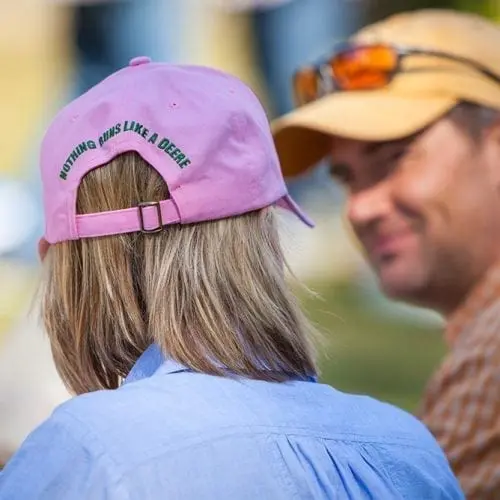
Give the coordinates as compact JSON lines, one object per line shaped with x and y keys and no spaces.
{"x":303,"y":137}
{"x":288,"y":204}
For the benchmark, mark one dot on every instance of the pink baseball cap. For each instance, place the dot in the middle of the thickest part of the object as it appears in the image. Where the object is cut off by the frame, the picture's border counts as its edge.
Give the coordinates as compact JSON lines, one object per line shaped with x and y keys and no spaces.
{"x":204,"y":131}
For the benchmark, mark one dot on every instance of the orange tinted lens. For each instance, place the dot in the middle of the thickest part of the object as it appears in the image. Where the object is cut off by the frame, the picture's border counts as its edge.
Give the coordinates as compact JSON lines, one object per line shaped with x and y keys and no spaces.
{"x":364,"y":67}
{"x":306,"y":86}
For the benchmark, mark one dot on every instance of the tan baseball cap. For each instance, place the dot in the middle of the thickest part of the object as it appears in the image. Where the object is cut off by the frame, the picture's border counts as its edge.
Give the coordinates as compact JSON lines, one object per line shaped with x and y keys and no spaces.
{"x":425,"y":88}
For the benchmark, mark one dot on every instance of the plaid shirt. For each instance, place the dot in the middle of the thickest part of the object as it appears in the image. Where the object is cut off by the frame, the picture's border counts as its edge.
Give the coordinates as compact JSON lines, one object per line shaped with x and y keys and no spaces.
{"x":462,"y":403}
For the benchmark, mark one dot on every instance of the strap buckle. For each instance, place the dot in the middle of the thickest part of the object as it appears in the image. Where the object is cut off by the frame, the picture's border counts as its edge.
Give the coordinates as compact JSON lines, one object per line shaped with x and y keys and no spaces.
{"x":141,"y":207}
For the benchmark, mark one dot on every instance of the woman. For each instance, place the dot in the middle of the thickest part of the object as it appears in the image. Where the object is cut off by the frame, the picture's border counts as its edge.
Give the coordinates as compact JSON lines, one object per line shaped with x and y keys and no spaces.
{"x":169,"y":317}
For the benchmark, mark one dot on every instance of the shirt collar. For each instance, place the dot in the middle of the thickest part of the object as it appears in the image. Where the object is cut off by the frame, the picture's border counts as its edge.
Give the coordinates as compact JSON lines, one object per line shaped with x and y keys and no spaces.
{"x":152,"y":359}
{"x":486,"y":292}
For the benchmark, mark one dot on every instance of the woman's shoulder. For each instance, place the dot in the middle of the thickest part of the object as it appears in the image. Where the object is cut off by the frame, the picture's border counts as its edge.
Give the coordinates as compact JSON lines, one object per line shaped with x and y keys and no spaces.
{"x":361,"y":434}
{"x":353,"y":434}
{"x":191,"y":405}
{"x":221,"y":402}
{"x":393,"y":442}
{"x":361,"y":416}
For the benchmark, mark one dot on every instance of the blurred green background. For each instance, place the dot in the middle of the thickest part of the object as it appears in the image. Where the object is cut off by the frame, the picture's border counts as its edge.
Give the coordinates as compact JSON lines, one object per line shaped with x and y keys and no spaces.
{"x":369,"y":352}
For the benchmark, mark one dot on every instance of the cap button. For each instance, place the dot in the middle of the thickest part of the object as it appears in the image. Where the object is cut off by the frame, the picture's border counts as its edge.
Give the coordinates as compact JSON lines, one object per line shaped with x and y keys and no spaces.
{"x":137,"y":61}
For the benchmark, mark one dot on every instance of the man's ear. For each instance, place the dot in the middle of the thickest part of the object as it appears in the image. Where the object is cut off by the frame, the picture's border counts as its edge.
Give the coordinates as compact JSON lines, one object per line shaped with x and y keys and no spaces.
{"x":43,"y":248}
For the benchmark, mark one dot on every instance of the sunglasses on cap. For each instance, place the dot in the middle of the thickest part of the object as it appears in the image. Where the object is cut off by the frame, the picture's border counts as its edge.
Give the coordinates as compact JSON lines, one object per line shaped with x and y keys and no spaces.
{"x":362,"y":67}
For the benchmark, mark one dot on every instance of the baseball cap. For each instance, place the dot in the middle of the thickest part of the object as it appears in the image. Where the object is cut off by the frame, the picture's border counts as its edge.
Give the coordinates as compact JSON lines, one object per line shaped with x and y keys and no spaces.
{"x":425,"y":89}
{"x":202,"y":130}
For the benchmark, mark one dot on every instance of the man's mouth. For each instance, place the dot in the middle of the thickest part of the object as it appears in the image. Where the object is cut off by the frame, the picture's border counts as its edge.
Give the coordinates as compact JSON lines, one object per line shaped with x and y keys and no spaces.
{"x":387,"y":246}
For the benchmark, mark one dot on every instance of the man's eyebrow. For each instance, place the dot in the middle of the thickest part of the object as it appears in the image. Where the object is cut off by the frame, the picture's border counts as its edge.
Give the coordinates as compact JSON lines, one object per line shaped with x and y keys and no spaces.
{"x":371,"y":148}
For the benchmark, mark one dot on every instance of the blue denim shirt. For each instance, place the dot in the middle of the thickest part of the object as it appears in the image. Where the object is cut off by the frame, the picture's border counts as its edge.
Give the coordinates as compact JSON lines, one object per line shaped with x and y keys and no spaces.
{"x":170,"y":433}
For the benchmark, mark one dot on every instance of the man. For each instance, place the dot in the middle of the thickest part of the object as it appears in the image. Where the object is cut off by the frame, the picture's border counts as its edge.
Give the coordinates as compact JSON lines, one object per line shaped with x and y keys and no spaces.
{"x":409,"y":109}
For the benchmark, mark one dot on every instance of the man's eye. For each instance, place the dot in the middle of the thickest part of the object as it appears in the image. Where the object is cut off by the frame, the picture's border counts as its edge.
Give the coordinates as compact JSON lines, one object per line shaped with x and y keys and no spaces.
{"x":341,"y":173}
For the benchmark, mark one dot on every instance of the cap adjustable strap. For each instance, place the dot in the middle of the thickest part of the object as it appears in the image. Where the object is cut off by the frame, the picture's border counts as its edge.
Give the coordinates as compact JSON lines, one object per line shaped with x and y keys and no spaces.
{"x":147,"y":217}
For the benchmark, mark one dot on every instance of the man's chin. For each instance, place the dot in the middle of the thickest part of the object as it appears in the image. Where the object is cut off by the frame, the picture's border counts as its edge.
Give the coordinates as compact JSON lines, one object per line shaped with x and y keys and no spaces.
{"x":400,"y":282}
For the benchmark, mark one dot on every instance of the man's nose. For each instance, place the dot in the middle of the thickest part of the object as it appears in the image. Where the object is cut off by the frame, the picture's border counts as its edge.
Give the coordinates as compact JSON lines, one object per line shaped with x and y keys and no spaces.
{"x":367,"y":205}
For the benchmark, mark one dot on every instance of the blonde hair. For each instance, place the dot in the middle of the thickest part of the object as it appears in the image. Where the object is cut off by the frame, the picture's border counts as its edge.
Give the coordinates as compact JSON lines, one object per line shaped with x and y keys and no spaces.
{"x":212,"y":295}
